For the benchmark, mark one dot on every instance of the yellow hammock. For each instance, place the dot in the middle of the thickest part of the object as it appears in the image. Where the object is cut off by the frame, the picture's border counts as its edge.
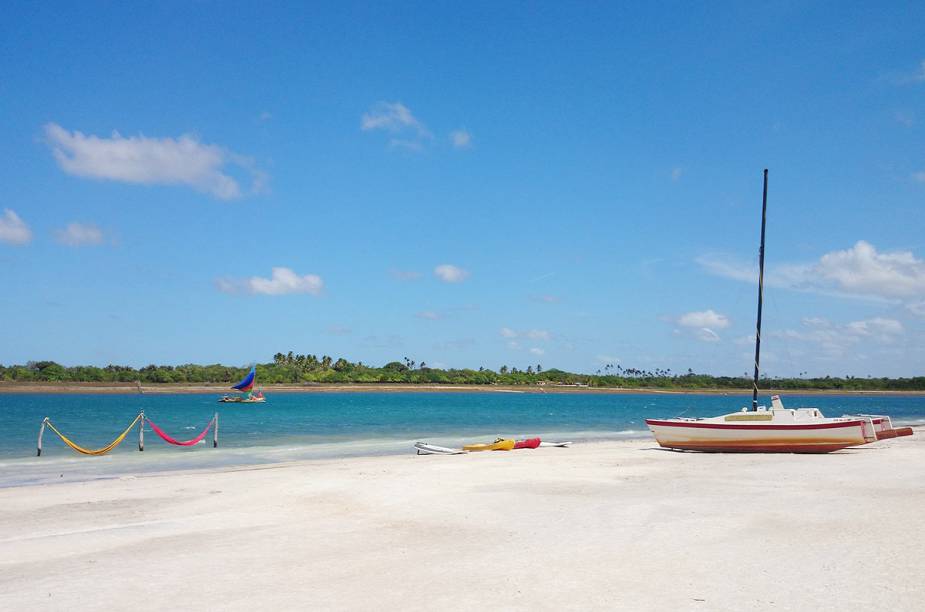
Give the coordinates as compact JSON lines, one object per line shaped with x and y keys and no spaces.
{"x":98,"y":451}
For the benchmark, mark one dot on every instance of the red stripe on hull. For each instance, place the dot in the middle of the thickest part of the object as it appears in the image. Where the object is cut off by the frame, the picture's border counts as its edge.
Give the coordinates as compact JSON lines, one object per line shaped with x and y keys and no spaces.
{"x":784,"y":448}
{"x":697,"y":425}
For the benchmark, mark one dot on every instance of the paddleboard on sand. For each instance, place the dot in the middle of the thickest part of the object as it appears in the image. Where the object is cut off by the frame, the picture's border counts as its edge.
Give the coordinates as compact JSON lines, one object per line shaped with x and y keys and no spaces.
{"x":501,"y":444}
{"x":559,"y":444}
{"x":424,"y":448}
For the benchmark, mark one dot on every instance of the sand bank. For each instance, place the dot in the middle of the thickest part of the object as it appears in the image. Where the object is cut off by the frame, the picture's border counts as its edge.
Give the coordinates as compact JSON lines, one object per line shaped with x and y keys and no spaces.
{"x":220,"y":388}
{"x":615,"y":525}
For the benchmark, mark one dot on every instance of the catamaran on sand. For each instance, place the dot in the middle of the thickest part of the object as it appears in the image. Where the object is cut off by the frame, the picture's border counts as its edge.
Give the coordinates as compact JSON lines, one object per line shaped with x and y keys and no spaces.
{"x":777,"y":429}
{"x":246,"y":387}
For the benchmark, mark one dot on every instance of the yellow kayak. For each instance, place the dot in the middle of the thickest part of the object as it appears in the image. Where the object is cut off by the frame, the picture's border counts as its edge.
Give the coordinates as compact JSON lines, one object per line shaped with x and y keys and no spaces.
{"x":499,"y":444}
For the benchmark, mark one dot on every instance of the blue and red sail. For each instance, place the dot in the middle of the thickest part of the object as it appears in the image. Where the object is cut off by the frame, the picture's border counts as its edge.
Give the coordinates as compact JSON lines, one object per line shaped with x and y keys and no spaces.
{"x":247,"y":383}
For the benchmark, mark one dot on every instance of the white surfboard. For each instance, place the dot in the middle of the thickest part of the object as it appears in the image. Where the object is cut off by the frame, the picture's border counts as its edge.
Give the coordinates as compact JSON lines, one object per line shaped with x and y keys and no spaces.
{"x":559,"y":444}
{"x":424,"y":448}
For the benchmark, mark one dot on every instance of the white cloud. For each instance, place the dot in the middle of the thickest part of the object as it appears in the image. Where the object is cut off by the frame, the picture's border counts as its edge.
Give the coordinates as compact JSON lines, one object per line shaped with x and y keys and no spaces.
{"x":13,"y":230}
{"x":507,"y":332}
{"x":450,"y":274}
{"x":393,"y":117}
{"x":80,"y":234}
{"x":461,"y":139}
{"x":702,"y":324}
{"x":428,"y":314}
{"x":537,"y":351}
{"x":860,"y":271}
{"x":282,"y":282}
{"x":152,"y":161}
{"x":919,"y":176}
{"x":676,"y":173}
{"x":705,"y":318}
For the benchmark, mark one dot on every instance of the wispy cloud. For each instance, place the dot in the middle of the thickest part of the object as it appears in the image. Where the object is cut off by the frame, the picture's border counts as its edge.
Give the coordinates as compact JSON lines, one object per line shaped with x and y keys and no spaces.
{"x":338,"y":330}
{"x":283,"y":281}
{"x":393,"y":117}
{"x":530,"y":334}
{"x":676,"y":173}
{"x":919,"y":75}
{"x":409,"y":133}
{"x":702,"y":324}
{"x":537,"y":351}
{"x":449,"y":273}
{"x":153,"y":161}
{"x":860,"y":271}
{"x":14,"y":230}
{"x":835,"y":340}
{"x":461,"y":139}
{"x":704,"y":318}
{"x":905,"y":118}
{"x":545,"y":299}
{"x":405,"y":275}
{"x":430,"y":315}
{"x":916,"y":308}
{"x":80,"y":234}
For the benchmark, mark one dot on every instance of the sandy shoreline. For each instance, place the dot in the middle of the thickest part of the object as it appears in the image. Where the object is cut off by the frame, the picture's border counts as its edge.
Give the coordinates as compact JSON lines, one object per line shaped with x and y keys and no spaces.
{"x":220,"y":388}
{"x":610,"y":525}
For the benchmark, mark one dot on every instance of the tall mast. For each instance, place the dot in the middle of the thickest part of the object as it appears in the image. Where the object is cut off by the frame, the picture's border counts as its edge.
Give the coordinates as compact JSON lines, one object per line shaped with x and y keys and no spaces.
{"x":764,"y":214}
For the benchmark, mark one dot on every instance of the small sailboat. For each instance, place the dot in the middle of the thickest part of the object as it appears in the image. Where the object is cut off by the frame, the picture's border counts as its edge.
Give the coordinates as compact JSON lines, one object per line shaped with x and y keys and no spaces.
{"x":776,"y":429}
{"x":246,"y":387}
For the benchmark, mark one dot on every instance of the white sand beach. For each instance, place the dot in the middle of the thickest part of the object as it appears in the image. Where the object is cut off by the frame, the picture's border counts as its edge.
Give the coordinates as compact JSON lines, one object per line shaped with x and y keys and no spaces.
{"x":611,"y":525}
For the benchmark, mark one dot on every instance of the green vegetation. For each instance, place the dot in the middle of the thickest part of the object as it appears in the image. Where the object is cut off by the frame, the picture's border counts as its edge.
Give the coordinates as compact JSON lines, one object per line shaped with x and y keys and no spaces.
{"x":299,"y":369}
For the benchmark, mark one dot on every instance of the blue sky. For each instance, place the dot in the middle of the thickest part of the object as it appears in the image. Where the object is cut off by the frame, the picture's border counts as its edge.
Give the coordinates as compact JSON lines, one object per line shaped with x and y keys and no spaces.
{"x":495,"y":183}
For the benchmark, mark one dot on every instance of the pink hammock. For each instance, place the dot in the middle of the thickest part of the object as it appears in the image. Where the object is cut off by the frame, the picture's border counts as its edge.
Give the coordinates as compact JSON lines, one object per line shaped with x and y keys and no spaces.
{"x":170,"y":440}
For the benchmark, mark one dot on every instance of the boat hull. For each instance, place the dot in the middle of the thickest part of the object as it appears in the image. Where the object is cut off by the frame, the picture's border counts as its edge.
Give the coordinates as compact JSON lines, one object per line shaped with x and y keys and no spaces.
{"x":757,"y":438}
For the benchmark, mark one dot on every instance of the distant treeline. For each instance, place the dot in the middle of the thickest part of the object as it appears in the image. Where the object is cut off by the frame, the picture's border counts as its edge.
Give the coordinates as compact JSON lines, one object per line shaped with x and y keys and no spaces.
{"x":297,"y":369}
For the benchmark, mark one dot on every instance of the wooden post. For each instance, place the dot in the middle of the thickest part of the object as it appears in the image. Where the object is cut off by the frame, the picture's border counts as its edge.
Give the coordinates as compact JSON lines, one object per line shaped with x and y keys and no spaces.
{"x":141,"y":433}
{"x":215,"y":431}
{"x":41,"y":433}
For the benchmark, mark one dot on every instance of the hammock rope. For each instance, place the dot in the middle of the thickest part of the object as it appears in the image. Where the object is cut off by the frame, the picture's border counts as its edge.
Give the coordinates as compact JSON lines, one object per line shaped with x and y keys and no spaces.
{"x":89,"y":451}
{"x":169,"y":440}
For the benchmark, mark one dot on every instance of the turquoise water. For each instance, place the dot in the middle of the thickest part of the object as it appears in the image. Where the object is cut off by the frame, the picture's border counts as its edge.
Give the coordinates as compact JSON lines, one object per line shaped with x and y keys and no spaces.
{"x":305,"y":425}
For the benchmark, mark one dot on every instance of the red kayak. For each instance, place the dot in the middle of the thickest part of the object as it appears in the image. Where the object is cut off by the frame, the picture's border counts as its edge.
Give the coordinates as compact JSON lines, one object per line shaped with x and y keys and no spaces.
{"x":529,"y":443}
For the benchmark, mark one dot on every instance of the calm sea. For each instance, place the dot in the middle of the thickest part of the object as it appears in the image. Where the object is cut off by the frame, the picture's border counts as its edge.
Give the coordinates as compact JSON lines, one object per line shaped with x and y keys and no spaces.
{"x":315,"y":425}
